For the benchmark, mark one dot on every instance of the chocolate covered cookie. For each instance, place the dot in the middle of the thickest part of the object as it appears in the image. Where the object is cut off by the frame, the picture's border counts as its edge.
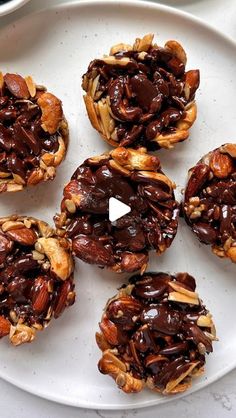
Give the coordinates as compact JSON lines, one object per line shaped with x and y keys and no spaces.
{"x":134,"y":178}
{"x":209,"y":205}
{"x":142,"y":95}
{"x":33,"y":133}
{"x":36,"y":277}
{"x":155,"y":333}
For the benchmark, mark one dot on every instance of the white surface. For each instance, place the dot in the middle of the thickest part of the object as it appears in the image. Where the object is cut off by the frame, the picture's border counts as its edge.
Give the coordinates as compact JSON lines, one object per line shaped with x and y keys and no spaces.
{"x":217,"y":400}
{"x":117,"y":209}
{"x":11,"y":5}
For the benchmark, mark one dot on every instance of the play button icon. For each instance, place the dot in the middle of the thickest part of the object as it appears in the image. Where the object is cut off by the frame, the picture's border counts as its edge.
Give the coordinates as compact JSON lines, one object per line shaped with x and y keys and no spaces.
{"x":117,"y":209}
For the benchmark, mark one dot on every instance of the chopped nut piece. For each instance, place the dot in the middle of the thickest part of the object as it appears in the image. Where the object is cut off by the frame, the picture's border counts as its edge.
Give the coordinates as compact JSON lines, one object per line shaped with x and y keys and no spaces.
{"x":135,"y":160}
{"x":70,"y":206}
{"x":31,"y":86}
{"x":204,"y":321}
{"x":111,"y":60}
{"x":177,"y":286}
{"x":8,"y":225}
{"x":180,"y":297}
{"x":177,"y":50}
{"x":60,"y":260}
{"x":37,"y":256}
{"x":173,"y":385}
{"x":229,"y":149}
{"x":21,"y":334}
{"x":120,"y":47}
{"x":144,"y":43}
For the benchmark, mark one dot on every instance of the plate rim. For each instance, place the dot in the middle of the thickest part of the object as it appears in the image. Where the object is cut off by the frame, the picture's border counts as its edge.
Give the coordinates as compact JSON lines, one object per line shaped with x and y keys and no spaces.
{"x":140,"y":4}
{"x":10,"y":7}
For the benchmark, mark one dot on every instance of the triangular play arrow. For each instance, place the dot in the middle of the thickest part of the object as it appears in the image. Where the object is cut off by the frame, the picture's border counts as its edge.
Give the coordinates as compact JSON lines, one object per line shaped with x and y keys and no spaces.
{"x":117,"y":209}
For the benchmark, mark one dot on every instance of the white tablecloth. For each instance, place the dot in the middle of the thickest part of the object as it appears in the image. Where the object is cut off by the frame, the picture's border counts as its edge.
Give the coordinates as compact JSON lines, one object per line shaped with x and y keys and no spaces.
{"x":217,"y":400}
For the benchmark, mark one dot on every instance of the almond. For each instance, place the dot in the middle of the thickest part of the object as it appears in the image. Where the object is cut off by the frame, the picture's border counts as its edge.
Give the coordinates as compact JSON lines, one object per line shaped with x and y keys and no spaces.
{"x":177,"y":50}
{"x":182,"y":298}
{"x":192,"y":80}
{"x":122,"y":311}
{"x":172,"y":384}
{"x":23,"y":236}
{"x":221,"y":164}
{"x":198,"y":176}
{"x":40,"y":296}
{"x":109,"y":331}
{"x":31,"y":86}
{"x":36,"y":176}
{"x":65,"y":297}
{"x":17,"y":86}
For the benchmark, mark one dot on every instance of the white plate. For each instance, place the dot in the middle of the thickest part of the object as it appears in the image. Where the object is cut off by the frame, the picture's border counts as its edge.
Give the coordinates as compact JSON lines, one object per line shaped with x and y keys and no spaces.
{"x":55,"y":47}
{"x":11,"y":5}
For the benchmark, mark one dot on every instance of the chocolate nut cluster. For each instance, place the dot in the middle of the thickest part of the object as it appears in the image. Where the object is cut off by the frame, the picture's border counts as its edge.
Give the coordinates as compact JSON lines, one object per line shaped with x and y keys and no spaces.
{"x":36,"y":277}
{"x":33,"y":133}
{"x":135,"y":178}
{"x":141,"y":94}
{"x":210,"y":200}
{"x":155,"y":332}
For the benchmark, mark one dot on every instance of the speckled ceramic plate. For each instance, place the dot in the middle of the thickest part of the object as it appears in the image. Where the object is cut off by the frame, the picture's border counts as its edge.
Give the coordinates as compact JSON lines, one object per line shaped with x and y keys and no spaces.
{"x":55,"y":47}
{"x":11,"y":5}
